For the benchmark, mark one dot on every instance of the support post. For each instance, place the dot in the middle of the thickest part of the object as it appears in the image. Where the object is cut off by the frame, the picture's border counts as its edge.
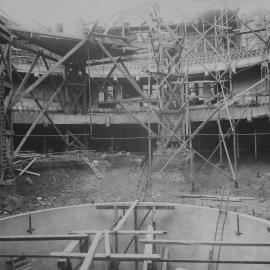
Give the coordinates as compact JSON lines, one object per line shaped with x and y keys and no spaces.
{"x":255,"y":145}
{"x":116,"y":234}
{"x":148,"y":249}
{"x":136,"y":237}
{"x":238,"y":146}
{"x":220,"y":149}
{"x":235,"y":149}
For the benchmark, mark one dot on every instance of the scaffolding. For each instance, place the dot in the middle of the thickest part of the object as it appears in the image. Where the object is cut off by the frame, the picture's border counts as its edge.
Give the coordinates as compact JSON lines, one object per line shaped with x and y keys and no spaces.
{"x":211,"y":46}
{"x":177,"y":59}
{"x":213,"y":51}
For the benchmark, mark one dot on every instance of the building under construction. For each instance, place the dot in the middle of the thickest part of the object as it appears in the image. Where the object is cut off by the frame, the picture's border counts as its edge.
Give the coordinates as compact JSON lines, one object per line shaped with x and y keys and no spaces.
{"x":200,"y":87}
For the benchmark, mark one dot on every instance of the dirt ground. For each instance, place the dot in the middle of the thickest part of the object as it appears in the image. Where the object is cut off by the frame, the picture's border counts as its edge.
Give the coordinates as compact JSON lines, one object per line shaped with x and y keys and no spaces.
{"x":70,"y":182}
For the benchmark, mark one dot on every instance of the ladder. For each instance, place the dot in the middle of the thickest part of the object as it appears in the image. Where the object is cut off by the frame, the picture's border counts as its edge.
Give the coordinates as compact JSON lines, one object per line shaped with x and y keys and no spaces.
{"x":214,"y":253}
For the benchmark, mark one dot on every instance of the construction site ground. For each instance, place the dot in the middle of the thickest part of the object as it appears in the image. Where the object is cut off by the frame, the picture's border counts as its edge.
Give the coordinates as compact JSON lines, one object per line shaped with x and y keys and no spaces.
{"x":69,"y":181}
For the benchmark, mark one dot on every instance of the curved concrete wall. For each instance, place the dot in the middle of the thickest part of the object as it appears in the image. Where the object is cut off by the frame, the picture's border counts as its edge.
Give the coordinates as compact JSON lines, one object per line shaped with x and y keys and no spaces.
{"x":185,"y":222}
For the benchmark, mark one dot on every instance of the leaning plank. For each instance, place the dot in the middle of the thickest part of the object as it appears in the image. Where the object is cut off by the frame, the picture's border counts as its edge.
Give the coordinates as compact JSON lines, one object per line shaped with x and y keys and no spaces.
{"x":190,"y":242}
{"x":6,"y":238}
{"x":125,"y":217}
{"x":20,"y":161}
{"x":28,"y":166}
{"x":125,"y":232}
{"x":91,"y":252}
{"x":148,"y":249}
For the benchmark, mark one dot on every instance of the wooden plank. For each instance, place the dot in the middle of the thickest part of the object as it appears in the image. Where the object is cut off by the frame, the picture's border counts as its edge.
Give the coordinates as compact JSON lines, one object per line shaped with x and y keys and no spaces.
{"x":28,"y":166}
{"x":91,"y":252}
{"x":213,"y":197}
{"x":129,"y":257}
{"x":148,"y":249}
{"x":219,"y":199}
{"x":210,"y":198}
{"x":190,"y":242}
{"x":8,"y":238}
{"x":102,"y":256}
{"x":164,"y":264}
{"x":143,"y":205}
{"x":123,"y":232}
{"x":29,"y":172}
{"x":125,"y":217}
{"x":192,"y":261}
{"x":107,"y":244}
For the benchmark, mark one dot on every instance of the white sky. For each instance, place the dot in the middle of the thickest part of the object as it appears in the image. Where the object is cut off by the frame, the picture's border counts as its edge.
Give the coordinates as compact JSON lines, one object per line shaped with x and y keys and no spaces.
{"x":50,"y":12}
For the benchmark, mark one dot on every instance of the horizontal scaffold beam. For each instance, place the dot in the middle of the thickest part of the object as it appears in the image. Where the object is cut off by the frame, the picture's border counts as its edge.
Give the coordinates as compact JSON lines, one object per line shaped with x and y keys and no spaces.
{"x":120,"y":232}
{"x":142,"y":205}
{"x":97,"y":256}
{"x":7,"y":238}
{"x":191,"y":242}
{"x":130,"y":257}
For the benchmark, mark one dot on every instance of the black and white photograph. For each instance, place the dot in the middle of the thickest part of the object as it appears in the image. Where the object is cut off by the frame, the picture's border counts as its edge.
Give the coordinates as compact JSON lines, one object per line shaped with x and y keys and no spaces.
{"x":134,"y":135}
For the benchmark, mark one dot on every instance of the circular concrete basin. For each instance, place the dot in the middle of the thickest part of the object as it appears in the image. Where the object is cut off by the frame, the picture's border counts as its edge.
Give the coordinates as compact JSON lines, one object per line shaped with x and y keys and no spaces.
{"x":184,"y":222}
